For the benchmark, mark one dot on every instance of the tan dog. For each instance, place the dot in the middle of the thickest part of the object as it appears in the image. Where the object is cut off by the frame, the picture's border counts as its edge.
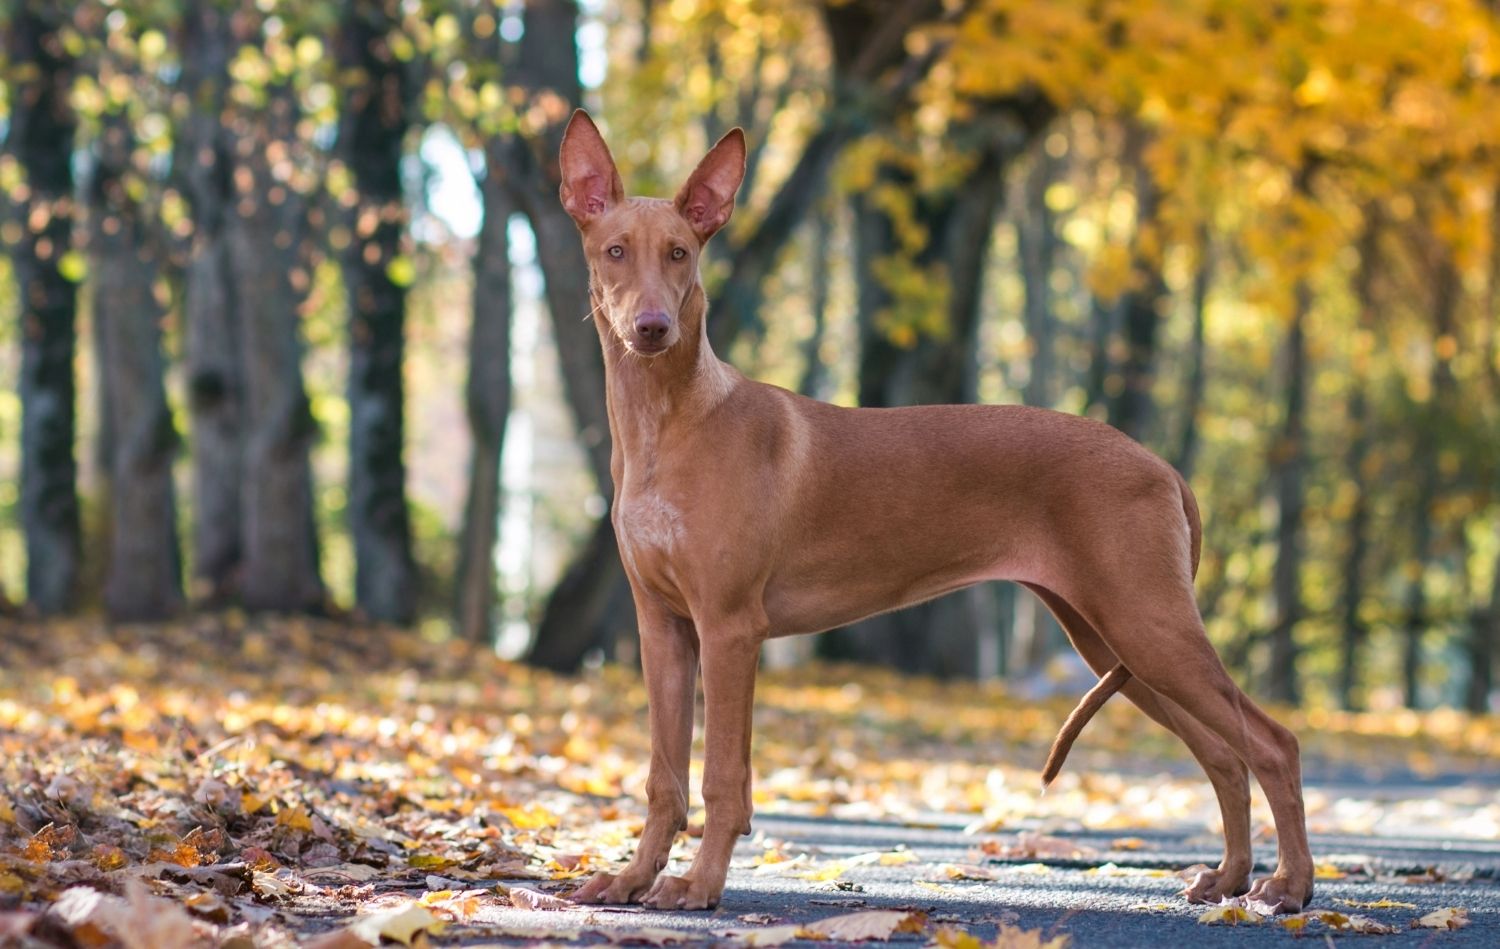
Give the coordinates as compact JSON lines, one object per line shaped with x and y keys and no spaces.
{"x":744,"y":511}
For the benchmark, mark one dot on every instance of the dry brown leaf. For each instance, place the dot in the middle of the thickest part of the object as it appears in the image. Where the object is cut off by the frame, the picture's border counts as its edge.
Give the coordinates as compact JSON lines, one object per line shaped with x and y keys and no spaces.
{"x":877,"y":924}
{"x":1453,"y":917}
{"x":1335,"y":920}
{"x":1384,"y":903}
{"x":767,"y":936}
{"x":523,"y":898}
{"x":1008,"y":937}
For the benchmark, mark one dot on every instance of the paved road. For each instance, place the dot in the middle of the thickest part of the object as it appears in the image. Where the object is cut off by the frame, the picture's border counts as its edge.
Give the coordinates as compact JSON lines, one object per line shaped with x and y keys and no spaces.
{"x":1093,"y":908}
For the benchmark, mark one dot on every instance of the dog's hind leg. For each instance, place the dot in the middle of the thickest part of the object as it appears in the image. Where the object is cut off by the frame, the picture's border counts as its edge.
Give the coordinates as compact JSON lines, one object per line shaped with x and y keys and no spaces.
{"x":1146,"y":615}
{"x":1225,"y":770}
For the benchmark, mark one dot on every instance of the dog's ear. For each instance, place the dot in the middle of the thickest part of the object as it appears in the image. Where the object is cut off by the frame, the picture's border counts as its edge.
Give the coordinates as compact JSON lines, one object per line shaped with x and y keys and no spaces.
{"x":707,"y":200}
{"x":590,"y":183}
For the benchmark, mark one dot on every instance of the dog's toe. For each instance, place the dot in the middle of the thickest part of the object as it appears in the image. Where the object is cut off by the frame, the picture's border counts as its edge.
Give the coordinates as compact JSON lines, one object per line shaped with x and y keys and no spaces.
{"x":1278,"y":894}
{"x":1212,"y":886}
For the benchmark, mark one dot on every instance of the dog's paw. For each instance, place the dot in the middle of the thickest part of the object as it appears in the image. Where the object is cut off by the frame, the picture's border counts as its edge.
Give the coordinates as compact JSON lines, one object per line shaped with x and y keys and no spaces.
{"x":671,"y":892}
{"x":609,"y":888}
{"x":1278,"y":893}
{"x":1213,"y":886}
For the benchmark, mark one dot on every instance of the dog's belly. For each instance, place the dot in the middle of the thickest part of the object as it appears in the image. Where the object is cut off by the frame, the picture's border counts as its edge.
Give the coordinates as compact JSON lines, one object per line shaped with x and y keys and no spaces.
{"x":813,"y":603}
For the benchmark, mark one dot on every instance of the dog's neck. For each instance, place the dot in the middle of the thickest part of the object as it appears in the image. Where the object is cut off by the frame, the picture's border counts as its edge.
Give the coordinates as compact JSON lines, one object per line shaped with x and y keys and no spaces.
{"x":648,"y":394}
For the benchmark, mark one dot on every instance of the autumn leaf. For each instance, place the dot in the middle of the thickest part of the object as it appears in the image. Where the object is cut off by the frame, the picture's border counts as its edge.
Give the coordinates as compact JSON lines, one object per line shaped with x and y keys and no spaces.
{"x":1008,"y":937}
{"x":1385,"y":903}
{"x":1451,"y":918}
{"x":524,"y":898}
{"x":877,"y":924}
{"x":398,"y":925}
{"x":1230,"y":914}
{"x":765,"y":936}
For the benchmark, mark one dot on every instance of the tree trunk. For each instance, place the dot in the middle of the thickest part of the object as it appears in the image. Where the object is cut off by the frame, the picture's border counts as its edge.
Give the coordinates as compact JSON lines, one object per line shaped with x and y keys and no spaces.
{"x":210,"y":311}
{"x":1288,"y":464}
{"x":814,"y":381}
{"x":265,"y":237}
{"x":1036,"y":239}
{"x":1197,"y":376}
{"x":488,"y":398}
{"x":1446,"y":290}
{"x":41,"y":134}
{"x":1353,"y":629}
{"x":1131,"y":406}
{"x":143,"y":573}
{"x":371,"y":136}
{"x":1484,"y":637}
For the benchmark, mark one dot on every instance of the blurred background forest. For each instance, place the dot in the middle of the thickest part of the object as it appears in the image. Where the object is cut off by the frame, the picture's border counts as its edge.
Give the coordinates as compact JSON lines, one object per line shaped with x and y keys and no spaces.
{"x":292,"y":318}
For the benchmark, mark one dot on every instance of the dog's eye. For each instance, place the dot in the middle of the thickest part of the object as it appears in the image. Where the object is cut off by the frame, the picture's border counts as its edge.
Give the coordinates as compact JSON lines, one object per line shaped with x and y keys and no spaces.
{"x":678,"y":253}
{"x":616,"y":251}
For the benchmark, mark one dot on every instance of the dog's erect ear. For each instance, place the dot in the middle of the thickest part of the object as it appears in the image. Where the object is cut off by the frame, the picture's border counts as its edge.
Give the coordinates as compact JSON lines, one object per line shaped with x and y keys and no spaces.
{"x":590,"y":183}
{"x":707,"y":200}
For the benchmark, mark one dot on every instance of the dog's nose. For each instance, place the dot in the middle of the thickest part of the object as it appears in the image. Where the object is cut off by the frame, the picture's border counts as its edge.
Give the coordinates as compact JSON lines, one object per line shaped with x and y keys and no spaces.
{"x":652,"y":326}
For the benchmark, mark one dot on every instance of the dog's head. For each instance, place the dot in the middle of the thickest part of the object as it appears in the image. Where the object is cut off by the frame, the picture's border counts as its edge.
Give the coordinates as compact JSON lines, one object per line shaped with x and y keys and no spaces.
{"x":643,"y":252}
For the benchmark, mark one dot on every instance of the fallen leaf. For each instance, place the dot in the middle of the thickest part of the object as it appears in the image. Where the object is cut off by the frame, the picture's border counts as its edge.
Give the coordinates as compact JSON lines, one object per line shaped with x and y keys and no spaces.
{"x":398,"y":925}
{"x":1230,"y":914}
{"x":1385,"y":903}
{"x":524,"y":898}
{"x":1335,"y":920}
{"x":1452,"y":917}
{"x":870,"y":924}
{"x":1007,"y":937}
{"x":769,"y":936}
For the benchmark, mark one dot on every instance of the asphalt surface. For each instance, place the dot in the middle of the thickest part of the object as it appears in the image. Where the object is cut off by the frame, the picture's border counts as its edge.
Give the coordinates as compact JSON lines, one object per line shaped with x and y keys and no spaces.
{"x":1125,"y":906}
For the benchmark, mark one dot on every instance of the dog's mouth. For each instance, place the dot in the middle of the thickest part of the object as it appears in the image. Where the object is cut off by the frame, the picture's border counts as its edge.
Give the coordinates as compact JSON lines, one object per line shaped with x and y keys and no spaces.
{"x":646,"y":349}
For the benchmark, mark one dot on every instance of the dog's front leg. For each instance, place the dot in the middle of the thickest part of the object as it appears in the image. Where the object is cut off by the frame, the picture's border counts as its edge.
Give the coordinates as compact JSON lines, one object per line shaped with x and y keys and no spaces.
{"x":669,"y":659}
{"x":731,"y":650}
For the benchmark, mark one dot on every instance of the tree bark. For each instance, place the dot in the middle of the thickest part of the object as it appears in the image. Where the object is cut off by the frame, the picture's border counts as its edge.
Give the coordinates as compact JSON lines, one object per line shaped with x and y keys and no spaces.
{"x":210,"y":311}
{"x":1288,"y":464}
{"x":1353,"y":631}
{"x":1197,"y":377}
{"x":1484,"y":639}
{"x":814,"y":381}
{"x":1131,"y":406}
{"x":143,"y":575}
{"x":42,"y":127}
{"x":1036,"y":239}
{"x":371,"y":136}
{"x":265,"y":238}
{"x":1446,"y":290}
{"x":488,"y":398}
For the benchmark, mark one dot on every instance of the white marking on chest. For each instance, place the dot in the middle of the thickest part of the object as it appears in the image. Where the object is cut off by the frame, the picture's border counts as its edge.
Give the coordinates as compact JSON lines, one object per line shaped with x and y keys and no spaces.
{"x":650,"y":521}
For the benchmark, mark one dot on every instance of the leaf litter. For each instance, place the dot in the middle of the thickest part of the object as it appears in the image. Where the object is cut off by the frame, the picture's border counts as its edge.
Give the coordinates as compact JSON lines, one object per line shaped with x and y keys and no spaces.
{"x":255,"y":782}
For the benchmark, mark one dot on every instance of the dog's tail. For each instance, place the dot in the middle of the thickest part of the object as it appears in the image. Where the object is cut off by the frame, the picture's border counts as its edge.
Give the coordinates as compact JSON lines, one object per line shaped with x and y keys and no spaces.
{"x":1113,"y":680}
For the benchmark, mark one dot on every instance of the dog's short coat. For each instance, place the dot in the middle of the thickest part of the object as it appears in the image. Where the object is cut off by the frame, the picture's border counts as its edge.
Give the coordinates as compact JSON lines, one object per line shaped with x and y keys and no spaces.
{"x":744,"y":511}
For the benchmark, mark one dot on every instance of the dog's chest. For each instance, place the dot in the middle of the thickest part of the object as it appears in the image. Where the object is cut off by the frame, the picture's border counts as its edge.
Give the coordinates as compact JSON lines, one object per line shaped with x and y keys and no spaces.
{"x":648,"y":524}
